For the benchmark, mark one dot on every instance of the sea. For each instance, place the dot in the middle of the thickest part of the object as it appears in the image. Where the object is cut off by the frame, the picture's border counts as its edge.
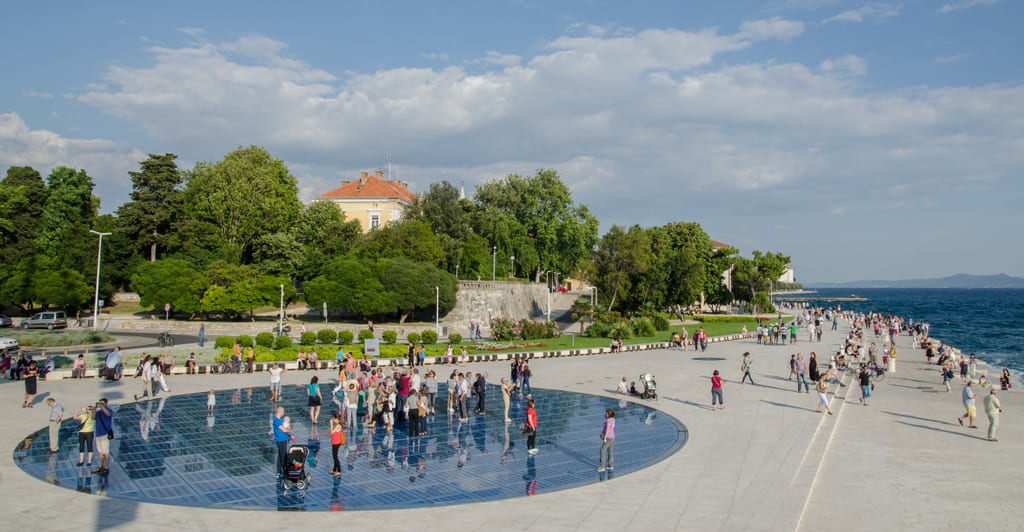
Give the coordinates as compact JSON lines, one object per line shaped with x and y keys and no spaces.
{"x":988,"y":322}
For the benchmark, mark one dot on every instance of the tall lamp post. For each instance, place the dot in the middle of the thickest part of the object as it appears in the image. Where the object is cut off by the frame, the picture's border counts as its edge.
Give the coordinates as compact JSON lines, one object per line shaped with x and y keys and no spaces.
{"x":512,"y":266}
{"x":494,"y":262}
{"x":593,"y":298}
{"x":437,"y":310}
{"x":280,"y":316}
{"x":96,"y":295}
{"x":547,"y":275}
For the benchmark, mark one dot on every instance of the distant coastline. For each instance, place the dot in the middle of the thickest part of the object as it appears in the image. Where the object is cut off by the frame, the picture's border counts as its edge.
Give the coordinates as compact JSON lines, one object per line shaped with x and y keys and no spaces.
{"x":959,"y":281}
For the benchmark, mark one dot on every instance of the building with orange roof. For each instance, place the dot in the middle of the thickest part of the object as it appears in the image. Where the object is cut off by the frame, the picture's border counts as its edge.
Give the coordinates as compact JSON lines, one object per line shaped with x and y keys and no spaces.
{"x":373,"y":200}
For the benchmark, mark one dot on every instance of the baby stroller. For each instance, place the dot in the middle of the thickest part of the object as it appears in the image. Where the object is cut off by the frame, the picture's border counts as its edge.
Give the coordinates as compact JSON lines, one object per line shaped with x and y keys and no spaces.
{"x":650,"y":388}
{"x":295,"y":471}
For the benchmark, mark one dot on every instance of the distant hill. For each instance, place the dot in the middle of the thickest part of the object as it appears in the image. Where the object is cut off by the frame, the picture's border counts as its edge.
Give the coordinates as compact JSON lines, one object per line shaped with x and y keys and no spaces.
{"x":960,"y":280}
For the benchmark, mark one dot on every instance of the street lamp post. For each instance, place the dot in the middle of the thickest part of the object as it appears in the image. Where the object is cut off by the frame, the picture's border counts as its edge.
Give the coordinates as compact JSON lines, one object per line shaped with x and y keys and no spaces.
{"x":437,"y":310}
{"x":593,"y":298}
{"x":494,"y":263}
{"x":280,"y":316}
{"x":547,"y":276}
{"x":96,"y":295}
{"x":512,"y":266}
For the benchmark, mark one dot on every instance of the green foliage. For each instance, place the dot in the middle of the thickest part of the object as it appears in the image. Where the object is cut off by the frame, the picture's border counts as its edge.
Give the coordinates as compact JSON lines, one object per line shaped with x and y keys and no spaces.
{"x":35,"y":280}
{"x":413,"y":337}
{"x":411,"y":240}
{"x":660,"y":322}
{"x":455,"y":338}
{"x":167,"y":281}
{"x":534,"y":330}
{"x":59,"y":338}
{"x":762,"y":303}
{"x":621,"y":331}
{"x":265,"y":339}
{"x":365,"y":334}
{"x":307,"y":338}
{"x":344,"y":337}
{"x":235,"y":200}
{"x":599,"y":330}
{"x":22,"y":197}
{"x":502,"y":329}
{"x":226,"y":342}
{"x":350,"y":285}
{"x":66,"y":218}
{"x":324,"y":233}
{"x":156,"y":207}
{"x":705,"y":318}
{"x":389,"y":336}
{"x":326,"y":336}
{"x":411,"y":285}
{"x":281,"y":342}
{"x":642,"y":326}
{"x":245,"y":340}
{"x":429,"y":336}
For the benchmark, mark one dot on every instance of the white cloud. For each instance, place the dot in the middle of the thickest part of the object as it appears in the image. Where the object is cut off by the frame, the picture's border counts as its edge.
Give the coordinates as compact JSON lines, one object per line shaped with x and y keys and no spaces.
{"x":773,"y":28}
{"x":965,"y":4}
{"x":866,"y":12}
{"x":947,"y":59}
{"x":851,"y":64}
{"x":192,"y":31}
{"x":38,"y":94}
{"x":106,"y":161}
{"x":436,"y":56}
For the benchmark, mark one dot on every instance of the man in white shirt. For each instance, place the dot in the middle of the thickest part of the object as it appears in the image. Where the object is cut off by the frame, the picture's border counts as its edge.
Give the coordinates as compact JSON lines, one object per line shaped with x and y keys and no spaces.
{"x":623,"y":387}
{"x":275,"y":381}
{"x":147,"y":378}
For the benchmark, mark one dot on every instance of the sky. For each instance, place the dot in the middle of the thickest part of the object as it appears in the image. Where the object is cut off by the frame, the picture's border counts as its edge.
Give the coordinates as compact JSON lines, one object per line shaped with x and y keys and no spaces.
{"x":867,"y":140}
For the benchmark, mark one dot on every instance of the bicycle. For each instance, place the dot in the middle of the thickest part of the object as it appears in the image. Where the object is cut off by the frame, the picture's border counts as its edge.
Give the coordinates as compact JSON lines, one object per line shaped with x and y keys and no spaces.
{"x":229,"y":366}
{"x":877,"y":372}
{"x":165,"y":339}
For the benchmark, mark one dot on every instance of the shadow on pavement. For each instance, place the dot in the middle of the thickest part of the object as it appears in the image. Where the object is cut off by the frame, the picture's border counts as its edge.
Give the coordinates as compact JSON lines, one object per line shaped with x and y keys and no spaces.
{"x":701,"y":406}
{"x":784,"y":405}
{"x":918,"y":418}
{"x":926,"y":427}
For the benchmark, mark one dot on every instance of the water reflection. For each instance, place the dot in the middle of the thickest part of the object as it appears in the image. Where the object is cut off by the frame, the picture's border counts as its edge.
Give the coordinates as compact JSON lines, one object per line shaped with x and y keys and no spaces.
{"x":172,"y":450}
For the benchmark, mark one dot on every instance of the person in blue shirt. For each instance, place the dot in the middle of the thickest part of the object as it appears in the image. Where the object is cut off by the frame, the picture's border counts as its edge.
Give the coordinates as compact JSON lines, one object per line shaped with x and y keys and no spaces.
{"x":282,"y":433}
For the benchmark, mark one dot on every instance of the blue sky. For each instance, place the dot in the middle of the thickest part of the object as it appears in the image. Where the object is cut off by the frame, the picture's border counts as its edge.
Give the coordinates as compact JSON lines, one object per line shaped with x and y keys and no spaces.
{"x":868,"y":140}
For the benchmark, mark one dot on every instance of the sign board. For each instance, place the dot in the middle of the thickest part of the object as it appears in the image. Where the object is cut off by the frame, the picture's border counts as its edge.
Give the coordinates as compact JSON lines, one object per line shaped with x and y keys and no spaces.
{"x":101,"y":302}
{"x":167,"y":307}
{"x":371,"y":346}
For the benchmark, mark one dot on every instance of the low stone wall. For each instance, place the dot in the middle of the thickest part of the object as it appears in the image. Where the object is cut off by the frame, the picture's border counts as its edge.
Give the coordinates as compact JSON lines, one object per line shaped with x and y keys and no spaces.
{"x":292,"y":365}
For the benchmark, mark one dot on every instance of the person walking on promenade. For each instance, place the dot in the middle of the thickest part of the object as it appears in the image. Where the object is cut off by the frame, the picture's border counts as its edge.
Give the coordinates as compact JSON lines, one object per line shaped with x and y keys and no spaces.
{"x":812,"y":368}
{"x":969,"y":406}
{"x":315,"y":399}
{"x":86,"y":428}
{"x":147,"y":378}
{"x":792,"y":366}
{"x":282,"y":433}
{"x":1004,"y":380}
{"x":202,"y":335}
{"x":275,"y":381}
{"x":801,"y":374}
{"x":530,"y":429}
{"x":745,"y":368}
{"x":526,"y":373}
{"x":865,"y":384}
{"x":972,"y":368}
{"x":507,"y":389}
{"x":822,"y":388}
{"x":56,"y":416}
{"x":992,"y":410}
{"x":605,"y":458}
{"x":947,"y":375}
{"x":716,"y":392}
{"x":29,"y":375}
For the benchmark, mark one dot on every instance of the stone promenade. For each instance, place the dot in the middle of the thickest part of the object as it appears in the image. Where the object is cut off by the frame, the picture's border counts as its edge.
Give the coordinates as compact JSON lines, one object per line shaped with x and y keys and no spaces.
{"x":767,"y":462}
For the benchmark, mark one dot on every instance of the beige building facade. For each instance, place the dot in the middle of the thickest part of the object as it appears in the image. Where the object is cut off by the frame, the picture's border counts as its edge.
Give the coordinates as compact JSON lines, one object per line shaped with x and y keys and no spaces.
{"x":372,"y":200}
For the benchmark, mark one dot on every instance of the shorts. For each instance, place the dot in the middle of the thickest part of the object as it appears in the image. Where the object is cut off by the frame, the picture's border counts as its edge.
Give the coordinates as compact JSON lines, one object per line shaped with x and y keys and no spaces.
{"x":972,"y":411}
{"x":85,"y":441}
{"x":102,"y":444}
{"x":314,"y":400}
{"x":275,"y":386}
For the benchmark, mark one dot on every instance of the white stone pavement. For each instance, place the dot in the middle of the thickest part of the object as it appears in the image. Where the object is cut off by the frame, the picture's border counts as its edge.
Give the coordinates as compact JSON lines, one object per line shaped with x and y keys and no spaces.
{"x":767,"y":462}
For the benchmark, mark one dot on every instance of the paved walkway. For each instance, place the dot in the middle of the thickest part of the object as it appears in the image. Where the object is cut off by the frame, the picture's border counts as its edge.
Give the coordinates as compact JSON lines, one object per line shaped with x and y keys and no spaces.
{"x":767,"y":462}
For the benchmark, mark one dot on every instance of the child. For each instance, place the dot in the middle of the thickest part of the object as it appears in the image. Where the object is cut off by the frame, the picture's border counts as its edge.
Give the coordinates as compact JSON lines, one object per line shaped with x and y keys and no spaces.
{"x":211,"y":402}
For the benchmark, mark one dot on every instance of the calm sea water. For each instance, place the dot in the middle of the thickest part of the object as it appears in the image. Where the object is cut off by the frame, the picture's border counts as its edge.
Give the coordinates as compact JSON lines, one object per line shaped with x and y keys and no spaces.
{"x":986,"y":322}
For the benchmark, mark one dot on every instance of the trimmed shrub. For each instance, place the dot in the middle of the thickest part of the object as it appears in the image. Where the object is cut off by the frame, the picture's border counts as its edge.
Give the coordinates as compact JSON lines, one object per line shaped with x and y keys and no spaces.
{"x":224,"y":341}
{"x":344,"y":337}
{"x":660,"y":322}
{"x":245,"y":340}
{"x":598,"y":330}
{"x":642,"y":326}
{"x":503,"y":329}
{"x":265,"y":339}
{"x":621,"y":331}
{"x":389,"y":337}
{"x":308,"y":338}
{"x":326,"y":336}
{"x":429,"y":336}
{"x":365,"y":334}
{"x":414,"y":337}
{"x":282,"y":342}
{"x":455,"y":338}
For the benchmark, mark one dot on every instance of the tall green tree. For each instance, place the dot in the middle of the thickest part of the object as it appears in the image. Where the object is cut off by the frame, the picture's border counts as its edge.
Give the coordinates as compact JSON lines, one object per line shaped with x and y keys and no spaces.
{"x":350,"y":285}
{"x":324,"y":234}
{"x":412,"y":239}
{"x":156,"y":206}
{"x":412,"y":286}
{"x":239,"y":198}
{"x":167,"y":281}
{"x":558,"y":231}
{"x":22,"y":197}
{"x":67,"y":217}
{"x":621,"y":259}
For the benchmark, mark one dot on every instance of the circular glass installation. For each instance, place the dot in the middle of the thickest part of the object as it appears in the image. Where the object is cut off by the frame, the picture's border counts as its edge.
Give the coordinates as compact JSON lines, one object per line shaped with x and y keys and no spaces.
{"x":169,"y":451}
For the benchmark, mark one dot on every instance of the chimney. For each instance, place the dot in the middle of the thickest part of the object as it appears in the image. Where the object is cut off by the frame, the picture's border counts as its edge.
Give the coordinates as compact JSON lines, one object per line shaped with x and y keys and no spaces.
{"x":379,"y":174}
{"x":362,"y":178}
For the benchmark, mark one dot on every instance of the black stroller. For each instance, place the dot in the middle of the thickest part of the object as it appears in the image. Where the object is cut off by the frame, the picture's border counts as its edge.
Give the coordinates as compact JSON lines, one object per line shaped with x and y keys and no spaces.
{"x":650,"y":388}
{"x":295,"y":475}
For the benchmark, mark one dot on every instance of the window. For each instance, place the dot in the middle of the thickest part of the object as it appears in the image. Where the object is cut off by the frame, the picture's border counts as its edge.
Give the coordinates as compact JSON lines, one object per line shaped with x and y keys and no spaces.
{"x":374,"y":221}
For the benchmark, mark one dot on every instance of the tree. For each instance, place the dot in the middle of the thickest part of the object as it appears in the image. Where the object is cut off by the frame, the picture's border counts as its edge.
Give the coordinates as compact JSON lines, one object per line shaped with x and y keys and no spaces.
{"x":411,"y":239}
{"x":350,"y":285}
{"x":324,"y":235}
{"x":559,"y":232}
{"x":67,"y":217}
{"x":22,"y":196}
{"x":156,"y":206}
{"x":411,"y":285}
{"x":36,"y":280}
{"x":231,"y":290}
{"x":621,"y":259}
{"x":239,"y":198}
{"x":278,"y":254}
{"x":167,"y":281}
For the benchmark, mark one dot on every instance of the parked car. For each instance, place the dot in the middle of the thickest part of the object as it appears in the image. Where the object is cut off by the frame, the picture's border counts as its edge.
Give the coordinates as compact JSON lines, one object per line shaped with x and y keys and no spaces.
{"x":5,"y":321}
{"x":53,"y":319}
{"x":8,"y":344}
